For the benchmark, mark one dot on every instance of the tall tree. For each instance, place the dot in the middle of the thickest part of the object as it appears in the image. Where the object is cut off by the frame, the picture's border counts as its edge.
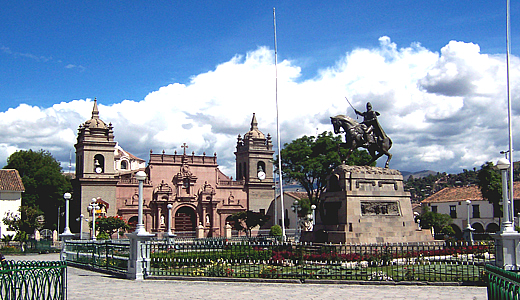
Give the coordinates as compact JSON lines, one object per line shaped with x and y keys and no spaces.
{"x":310,"y":160}
{"x":43,"y":181}
{"x":490,"y":184}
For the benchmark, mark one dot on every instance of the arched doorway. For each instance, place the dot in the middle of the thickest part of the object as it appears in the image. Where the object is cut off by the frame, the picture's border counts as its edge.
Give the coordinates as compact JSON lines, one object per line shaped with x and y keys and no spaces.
{"x":492,"y":228}
{"x":479,"y":233}
{"x":132,"y":223}
{"x":185,"y":219}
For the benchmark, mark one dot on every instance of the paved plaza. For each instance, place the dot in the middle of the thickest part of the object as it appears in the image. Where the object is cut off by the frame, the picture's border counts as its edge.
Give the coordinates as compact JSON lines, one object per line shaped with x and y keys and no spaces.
{"x":83,"y":284}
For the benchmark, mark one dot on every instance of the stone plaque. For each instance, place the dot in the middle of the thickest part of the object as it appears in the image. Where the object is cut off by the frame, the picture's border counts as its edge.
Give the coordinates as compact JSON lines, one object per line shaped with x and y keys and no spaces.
{"x":374,"y":208}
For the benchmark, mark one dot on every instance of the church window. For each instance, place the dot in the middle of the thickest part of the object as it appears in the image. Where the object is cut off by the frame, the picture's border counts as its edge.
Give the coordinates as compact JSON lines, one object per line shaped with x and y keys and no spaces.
{"x":260,"y":166}
{"x":124,"y":165}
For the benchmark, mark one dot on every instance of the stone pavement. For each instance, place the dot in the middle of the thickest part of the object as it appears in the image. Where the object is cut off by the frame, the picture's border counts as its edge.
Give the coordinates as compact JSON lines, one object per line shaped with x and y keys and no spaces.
{"x":83,"y":284}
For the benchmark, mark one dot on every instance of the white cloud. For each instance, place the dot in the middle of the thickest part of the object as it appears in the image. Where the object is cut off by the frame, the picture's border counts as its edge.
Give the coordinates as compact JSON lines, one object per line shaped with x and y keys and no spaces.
{"x":444,"y":111}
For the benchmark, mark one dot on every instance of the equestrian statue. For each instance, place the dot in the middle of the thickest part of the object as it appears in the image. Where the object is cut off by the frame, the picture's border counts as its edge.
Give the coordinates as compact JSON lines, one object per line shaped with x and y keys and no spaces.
{"x":368,"y":134}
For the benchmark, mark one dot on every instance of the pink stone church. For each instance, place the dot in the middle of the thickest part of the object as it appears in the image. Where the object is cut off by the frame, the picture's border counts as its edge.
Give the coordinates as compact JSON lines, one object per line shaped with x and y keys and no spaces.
{"x":199,"y":193}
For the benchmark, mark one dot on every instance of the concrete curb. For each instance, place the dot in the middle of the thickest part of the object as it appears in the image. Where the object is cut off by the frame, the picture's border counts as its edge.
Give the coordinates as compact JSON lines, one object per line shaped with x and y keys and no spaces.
{"x":313,"y":281}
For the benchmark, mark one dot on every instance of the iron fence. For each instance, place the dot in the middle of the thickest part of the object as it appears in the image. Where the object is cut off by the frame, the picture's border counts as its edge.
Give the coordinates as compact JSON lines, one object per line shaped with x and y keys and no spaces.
{"x":502,"y":284}
{"x":105,"y":254}
{"x":46,"y":280}
{"x":434,"y":262}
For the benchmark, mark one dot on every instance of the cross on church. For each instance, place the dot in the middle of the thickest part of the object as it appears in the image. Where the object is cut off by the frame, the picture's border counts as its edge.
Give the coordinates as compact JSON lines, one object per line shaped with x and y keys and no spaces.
{"x":184,"y":146}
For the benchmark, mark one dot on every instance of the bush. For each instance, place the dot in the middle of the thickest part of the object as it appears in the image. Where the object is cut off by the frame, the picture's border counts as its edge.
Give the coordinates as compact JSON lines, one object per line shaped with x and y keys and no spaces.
{"x":275,"y":230}
{"x":103,"y":236}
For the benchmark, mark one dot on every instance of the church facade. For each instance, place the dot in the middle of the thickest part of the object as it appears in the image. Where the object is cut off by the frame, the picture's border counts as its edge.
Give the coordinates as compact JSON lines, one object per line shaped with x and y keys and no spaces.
{"x":197,"y":191}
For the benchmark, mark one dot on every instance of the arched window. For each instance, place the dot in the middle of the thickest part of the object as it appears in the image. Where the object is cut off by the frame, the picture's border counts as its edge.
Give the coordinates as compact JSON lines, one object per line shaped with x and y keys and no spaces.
{"x":99,"y":163}
{"x":260,"y":166}
{"x":124,"y":165}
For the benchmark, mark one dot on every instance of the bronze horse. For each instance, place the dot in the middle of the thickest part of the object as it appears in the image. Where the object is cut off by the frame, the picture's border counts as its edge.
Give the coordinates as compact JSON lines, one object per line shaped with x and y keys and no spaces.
{"x":354,"y":138}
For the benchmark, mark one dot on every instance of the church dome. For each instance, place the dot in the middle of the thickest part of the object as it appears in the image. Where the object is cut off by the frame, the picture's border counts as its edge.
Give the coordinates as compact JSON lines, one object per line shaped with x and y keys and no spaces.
{"x":95,"y":122}
{"x":254,"y":133}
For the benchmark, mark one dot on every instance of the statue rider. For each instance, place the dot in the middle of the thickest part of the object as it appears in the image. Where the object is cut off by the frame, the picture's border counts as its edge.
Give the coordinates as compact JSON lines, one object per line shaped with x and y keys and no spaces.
{"x":372,"y":125}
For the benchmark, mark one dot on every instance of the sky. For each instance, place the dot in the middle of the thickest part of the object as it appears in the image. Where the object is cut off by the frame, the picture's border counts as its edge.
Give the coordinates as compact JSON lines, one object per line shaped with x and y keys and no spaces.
{"x":166,"y":73}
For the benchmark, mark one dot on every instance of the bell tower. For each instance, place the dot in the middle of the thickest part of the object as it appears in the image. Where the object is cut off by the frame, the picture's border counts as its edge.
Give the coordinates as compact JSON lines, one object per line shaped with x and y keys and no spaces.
{"x":254,"y":165}
{"x":95,"y":173}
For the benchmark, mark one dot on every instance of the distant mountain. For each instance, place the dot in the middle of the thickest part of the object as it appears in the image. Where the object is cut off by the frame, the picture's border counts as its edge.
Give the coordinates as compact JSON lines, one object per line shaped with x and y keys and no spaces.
{"x":420,"y":174}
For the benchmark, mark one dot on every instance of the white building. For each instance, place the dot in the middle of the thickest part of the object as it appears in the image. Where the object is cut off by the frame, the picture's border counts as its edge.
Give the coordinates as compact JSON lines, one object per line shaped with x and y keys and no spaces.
{"x":291,"y":218}
{"x":125,"y":161}
{"x":11,"y":189}
{"x":484,"y":218}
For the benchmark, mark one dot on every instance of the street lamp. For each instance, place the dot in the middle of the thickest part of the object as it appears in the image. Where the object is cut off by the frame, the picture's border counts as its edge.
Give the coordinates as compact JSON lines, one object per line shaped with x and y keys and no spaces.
{"x":67,"y":197}
{"x":80,"y":220}
{"x":296,"y":207}
{"x":92,"y":207}
{"x":503,"y":165}
{"x":313,"y":207}
{"x":468,"y":231}
{"x":139,"y":229}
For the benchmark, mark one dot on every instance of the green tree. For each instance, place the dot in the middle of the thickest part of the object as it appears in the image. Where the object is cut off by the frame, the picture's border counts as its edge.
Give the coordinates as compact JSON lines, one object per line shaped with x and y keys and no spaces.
{"x":26,"y":221}
{"x":438,"y":221}
{"x":43,"y":181}
{"x":490,"y":184}
{"x":110,"y":225}
{"x":310,"y":160}
{"x":247,"y":220}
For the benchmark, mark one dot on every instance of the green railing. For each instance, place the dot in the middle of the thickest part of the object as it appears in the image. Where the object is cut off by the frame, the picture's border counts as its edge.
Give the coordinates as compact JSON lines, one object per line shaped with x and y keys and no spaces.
{"x":105,"y":254}
{"x":43,"y":280}
{"x":502,"y":284}
{"x":456,"y":262}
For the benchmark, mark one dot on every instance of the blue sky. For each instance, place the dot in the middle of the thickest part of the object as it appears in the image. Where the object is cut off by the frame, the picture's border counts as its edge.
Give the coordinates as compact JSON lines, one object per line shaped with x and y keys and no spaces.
{"x":69,"y":52}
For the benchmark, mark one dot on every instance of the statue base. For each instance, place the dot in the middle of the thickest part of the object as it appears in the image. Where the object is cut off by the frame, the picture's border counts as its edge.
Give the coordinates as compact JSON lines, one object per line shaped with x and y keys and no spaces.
{"x":365,"y":204}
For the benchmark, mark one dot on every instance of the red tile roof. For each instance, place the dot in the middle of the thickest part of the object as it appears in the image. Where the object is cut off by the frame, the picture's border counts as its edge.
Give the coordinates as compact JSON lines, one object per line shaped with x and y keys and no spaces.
{"x":297,"y":195}
{"x":10,"y":181}
{"x":455,"y":194}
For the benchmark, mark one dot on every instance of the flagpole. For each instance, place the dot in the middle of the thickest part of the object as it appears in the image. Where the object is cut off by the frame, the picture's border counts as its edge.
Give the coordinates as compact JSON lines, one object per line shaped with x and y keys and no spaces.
{"x":509,"y":120}
{"x":280,"y":180}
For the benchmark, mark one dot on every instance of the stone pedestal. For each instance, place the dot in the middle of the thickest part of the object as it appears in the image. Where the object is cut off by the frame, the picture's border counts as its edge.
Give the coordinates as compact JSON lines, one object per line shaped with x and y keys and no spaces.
{"x":365,"y":205}
{"x":65,"y":237}
{"x":507,"y":247}
{"x":139,"y":259}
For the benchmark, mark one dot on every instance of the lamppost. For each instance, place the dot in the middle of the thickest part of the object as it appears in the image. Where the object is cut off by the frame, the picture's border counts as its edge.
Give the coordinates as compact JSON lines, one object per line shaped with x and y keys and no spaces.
{"x":139,"y":229}
{"x":296,"y":207}
{"x":139,"y":259}
{"x":468,"y":231}
{"x":67,"y":197}
{"x":313,"y":207}
{"x":92,"y":208}
{"x":80,"y":220}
